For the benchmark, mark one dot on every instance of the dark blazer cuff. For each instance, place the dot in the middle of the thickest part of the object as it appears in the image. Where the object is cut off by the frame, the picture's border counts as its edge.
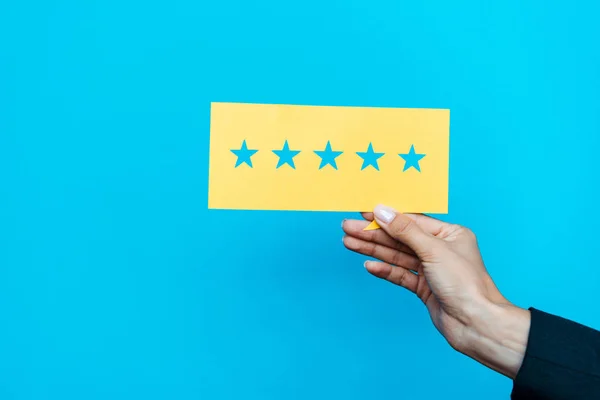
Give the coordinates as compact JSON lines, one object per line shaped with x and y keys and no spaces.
{"x":562,"y":360}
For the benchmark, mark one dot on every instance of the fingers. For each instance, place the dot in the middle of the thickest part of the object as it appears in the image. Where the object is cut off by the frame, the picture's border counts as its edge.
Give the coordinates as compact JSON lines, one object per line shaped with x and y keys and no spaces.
{"x":382,"y":253}
{"x":367,"y":215}
{"x":355,"y":228}
{"x":397,"y":275}
{"x":405,"y":229}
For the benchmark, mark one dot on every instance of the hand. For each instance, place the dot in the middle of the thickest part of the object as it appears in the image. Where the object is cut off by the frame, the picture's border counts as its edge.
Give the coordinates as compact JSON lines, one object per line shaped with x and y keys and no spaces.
{"x":441,"y":263}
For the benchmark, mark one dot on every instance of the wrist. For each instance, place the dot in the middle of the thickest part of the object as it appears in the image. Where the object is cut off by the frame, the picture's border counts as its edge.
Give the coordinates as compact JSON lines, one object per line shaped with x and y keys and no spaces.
{"x":497,"y":337}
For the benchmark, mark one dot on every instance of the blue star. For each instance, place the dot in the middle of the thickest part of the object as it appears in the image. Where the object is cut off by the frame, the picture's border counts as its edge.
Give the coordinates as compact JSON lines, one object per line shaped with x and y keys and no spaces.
{"x":370,"y":157}
{"x":286,"y":156}
{"x":412,"y":159}
{"x":328,"y":156}
{"x":243,"y":155}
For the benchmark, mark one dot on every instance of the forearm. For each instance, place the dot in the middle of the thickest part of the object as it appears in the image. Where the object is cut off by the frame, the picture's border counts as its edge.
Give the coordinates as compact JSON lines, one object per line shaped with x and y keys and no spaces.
{"x":497,"y":338}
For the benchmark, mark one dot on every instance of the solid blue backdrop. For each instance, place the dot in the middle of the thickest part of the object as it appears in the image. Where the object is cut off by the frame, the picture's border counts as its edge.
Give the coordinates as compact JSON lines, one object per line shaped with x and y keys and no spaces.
{"x":117,"y":282}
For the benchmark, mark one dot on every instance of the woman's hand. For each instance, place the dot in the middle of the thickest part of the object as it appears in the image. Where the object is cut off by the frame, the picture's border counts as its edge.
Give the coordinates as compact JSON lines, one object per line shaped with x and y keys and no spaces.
{"x":441,"y":263}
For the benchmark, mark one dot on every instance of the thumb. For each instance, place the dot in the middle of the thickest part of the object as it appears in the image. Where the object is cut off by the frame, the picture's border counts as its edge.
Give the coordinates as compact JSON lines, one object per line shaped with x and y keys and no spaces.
{"x":404,"y":229}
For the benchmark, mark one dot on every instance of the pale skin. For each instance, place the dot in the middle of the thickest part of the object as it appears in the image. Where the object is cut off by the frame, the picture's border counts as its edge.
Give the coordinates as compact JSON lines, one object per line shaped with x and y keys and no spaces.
{"x":441,"y":264}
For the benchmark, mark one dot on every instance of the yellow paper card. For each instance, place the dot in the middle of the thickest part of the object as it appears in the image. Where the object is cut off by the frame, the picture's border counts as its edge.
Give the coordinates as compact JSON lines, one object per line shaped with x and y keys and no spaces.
{"x":317,"y":158}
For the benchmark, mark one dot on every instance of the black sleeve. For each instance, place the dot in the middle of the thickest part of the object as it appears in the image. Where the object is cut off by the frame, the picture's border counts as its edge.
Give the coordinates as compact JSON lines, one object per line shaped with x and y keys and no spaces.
{"x":562,"y":360}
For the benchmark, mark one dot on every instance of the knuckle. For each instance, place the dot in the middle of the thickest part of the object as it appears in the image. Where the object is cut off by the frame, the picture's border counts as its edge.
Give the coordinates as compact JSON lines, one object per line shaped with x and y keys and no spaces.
{"x":402,"y":276}
{"x":466,"y":232}
{"x":368,"y":248}
{"x":397,"y":258}
{"x":369,"y":235}
{"x":402,"y":226}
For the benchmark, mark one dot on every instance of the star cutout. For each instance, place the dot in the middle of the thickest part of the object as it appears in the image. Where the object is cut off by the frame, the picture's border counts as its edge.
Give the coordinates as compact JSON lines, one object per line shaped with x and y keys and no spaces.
{"x":412,"y":159}
{"x":370,"y":157}
{"x":328,"y":156}
{"x":243,"y":155}
{"x":286,"y":156}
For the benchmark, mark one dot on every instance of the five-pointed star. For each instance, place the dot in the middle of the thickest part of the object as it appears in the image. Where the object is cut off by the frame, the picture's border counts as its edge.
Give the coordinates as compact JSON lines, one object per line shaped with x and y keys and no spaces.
{"x":370,"y":157}
{"x":328,"y":156}
{"x":286,"y":156}
{"x":243,"y":155}
{"x":412,"y":159}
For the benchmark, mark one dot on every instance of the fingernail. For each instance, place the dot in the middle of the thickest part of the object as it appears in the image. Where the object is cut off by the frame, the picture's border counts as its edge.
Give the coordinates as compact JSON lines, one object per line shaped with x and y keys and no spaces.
{"x":344,"y":220}
{"x":365,"y":264}
{"x":384,"y":213}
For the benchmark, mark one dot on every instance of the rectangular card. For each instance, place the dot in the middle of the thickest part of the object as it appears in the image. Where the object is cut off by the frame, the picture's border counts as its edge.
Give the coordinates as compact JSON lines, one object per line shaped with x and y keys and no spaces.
{"x":323,"y":158}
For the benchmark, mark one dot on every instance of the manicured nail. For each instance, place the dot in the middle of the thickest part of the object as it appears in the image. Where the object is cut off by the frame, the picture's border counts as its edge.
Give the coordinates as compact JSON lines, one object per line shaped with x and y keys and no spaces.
{"x":365,"y":264}
{"x":384,"y":213}
{"x":344,"y":220}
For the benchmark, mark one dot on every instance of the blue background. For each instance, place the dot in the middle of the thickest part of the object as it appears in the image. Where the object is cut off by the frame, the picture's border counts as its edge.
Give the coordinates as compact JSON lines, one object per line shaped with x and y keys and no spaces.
{"x":117,"y":282}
